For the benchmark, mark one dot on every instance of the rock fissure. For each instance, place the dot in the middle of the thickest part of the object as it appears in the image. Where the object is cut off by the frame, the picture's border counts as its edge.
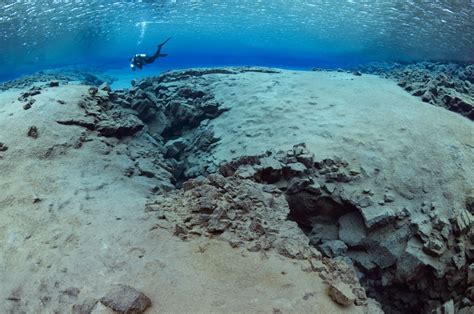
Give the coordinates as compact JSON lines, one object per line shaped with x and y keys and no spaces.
{"x":344,"y":221}
{"x":410,"y":261}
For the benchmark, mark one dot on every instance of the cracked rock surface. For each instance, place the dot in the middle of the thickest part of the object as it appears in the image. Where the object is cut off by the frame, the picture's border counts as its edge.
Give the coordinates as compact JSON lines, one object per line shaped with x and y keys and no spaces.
{"x":394,"y":207}
{"x":450,"y":85}
{"x":298,"y":188}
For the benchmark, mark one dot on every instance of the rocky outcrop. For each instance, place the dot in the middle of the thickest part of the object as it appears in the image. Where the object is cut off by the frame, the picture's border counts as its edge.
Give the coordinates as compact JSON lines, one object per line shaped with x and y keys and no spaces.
{"x":177,"y":106}
{"x":450,"y":85}
{"x":178,"y":112}
{"x":182,"y":75}
{"x":253,"y":216}
{"x":406,"y":258}
{"x":172,"y":115}
{"x":174,"y":105}
{"x":101,"y":115}
{"x":242,"y":212}
{"x":53,"y":78}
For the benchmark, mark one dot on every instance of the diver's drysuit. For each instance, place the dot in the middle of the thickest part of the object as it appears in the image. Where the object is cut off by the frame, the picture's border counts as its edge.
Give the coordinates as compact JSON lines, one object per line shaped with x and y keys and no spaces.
{"x":139,"y":60}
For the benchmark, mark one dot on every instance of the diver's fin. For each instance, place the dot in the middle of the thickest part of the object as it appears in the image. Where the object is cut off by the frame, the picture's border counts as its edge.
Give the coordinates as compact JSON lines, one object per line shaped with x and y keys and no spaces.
{"x":162,"y":44}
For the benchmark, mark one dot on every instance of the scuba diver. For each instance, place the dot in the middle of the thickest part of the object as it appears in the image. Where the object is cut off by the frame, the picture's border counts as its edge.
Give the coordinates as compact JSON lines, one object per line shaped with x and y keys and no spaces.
{"x":139,"y":60}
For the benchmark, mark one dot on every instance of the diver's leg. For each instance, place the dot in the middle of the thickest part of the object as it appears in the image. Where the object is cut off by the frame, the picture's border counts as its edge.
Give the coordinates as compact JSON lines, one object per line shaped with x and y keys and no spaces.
{"x":163,"y":43}
{"x":149,"y":60}
{"x":158,"y":51}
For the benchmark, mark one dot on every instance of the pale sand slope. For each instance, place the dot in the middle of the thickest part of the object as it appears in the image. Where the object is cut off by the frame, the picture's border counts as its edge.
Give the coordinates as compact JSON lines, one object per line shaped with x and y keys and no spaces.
{"x":89,"y":230}
{"x":369,"y":121}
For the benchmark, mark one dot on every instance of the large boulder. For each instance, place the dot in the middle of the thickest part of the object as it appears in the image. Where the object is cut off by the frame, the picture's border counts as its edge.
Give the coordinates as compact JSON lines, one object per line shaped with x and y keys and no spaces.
{"x":125,"y":299}
{"x":333,"y":248}
{"x":377,"y":216}
{"x":352,"y":229}
{"x":341,"y":293}
{"x":121,"y":126}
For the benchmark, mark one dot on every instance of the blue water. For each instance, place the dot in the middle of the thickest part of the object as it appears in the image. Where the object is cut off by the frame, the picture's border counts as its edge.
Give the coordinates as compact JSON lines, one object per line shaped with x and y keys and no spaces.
{"x":36,"y":35}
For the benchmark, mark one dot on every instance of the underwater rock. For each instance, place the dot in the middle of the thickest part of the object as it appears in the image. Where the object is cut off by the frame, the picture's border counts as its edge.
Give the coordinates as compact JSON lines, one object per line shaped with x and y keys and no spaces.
{"x":434,"y":246}
{"x":470,"y":275}
{"x":144,"y":84}
{"x":145,"y":108}
{"x":322,"y":232}
{"x":446,"y":85}
{"x":79,"y":122}
{"x":245,"y":214}
{"x":33,"y":132}
{"x":179,"y":114}
{"x":414,"y":261}
{"x":28,"y":105}
{"x":86,"y":307}
{"x":53,"y":83}
{"x":87,"y":76}
{"x":181,"y":75}
{"x":217,"y":212}
{"x":377,"y":216}
{"x":462,"y":222}
{"x":384,"y":254}
{"x":125,"y":299}
{"x":352,"y":229}
{"x":333,"y":248}
{"x":269,"y":170}
{"x":120,"y":126}
{"x":191,"y":94}
{"x":470,"y":202}
{"x":341,"y":293}
{"x":181,"y":107}
{"x":25,"y":96}
{"x":93,"y":90}
{"x":388,"y":198}
{"x":373,"y":237}
{"x":3,"y":147}
{"x":105,"y":87}
{"x":446,"y":308}
{"x":175,"y":147}
{"x":466,"y":310}
{"x":105,"y":117}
